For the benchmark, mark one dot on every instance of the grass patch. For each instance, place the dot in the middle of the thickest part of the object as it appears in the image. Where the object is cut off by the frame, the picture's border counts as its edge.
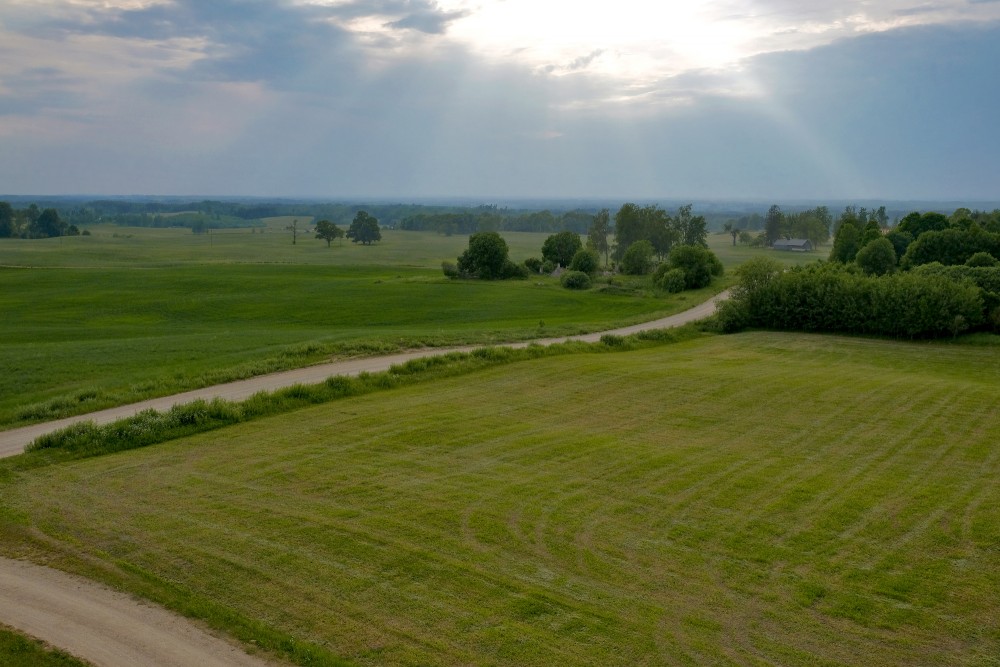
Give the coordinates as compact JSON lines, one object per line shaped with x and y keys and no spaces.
{"x":17,"y":650}
{"x":149,"y":427}
{"x":758,"y":498}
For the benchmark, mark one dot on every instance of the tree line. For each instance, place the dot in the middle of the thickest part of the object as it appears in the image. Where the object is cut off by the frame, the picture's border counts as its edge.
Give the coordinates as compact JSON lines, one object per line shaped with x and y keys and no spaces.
{"x":33,"y":223}
{"x":931,"y":275}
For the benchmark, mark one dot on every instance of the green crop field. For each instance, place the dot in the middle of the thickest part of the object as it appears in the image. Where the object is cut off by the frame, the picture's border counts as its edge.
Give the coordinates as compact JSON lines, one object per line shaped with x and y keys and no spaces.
{"x":759,"y":498}
{"x":131,"y":313}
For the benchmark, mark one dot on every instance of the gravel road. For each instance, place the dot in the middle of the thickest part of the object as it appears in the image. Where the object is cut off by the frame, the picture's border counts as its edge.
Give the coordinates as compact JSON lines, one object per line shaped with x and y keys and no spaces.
{"x":112,"y":629}
{"x":106,"y":627}
{"x":13,"y":441}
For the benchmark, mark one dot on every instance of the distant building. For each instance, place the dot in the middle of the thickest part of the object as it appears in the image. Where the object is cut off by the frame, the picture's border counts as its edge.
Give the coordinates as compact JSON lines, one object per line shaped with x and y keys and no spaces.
{"x":793,"y":245}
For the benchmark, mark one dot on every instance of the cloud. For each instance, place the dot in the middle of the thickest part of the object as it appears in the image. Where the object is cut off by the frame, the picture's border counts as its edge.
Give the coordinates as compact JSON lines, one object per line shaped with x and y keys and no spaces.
{"x":385,"y":97}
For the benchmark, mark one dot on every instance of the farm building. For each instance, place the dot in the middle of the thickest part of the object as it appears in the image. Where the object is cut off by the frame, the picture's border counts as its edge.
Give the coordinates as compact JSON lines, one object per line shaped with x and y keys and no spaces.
{"x":794,"y":245}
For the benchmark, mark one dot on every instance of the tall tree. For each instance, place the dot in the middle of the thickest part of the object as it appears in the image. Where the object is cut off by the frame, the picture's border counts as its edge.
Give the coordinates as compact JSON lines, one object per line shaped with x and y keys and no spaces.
{"x":560,"y":248}
{"x":773,"y":222}
{"x":597,"y":235}
{"x":732,"y":230}
{"x":628,"y":228}
{"x":693,"y":229}
{"x":845,"y":243}
{"x":48,"y":224}
{"x":6,"y":220}
{"x":328,"y":231}
{"x":364,"y":229}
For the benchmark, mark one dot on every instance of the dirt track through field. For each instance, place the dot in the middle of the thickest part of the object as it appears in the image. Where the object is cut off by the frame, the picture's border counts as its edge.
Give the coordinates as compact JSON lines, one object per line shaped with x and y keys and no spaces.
{"x":112,"y":629}
{"x":104,"y":626}
{"x":13,"y":441}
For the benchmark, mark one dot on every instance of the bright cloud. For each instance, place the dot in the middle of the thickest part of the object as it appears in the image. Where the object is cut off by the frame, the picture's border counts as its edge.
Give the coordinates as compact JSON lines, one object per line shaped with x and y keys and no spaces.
{"x":474,"y":96}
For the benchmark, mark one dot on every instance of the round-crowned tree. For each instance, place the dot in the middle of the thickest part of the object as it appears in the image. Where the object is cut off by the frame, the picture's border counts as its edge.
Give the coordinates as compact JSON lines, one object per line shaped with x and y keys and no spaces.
{"x":877,"y":257}
{"x":638,"y":259}
{"x":586,"y":261}
{"x":698,"y":264}
{"x":486,"y":257}
{"x":560,"y":248}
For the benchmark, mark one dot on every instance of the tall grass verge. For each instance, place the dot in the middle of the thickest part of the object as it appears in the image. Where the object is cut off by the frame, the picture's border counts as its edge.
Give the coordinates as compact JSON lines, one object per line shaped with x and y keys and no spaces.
{"x":149,"y":427}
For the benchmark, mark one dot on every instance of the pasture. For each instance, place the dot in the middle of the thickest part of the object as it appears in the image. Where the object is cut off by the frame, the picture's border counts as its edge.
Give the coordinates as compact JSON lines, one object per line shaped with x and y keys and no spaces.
{"x":131,"y":313}
{"x":760,"y":498}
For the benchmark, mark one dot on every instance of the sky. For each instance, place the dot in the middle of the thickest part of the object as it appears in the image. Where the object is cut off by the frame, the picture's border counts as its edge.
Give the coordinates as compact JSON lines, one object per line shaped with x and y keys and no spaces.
{"x":407,"y":99}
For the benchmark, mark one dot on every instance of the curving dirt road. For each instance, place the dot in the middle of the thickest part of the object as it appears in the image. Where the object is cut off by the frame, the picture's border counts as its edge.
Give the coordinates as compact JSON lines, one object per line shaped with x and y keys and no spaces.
{"x":13,"y":441}
{"x":112,"y":629}
{"x":104,"y":626}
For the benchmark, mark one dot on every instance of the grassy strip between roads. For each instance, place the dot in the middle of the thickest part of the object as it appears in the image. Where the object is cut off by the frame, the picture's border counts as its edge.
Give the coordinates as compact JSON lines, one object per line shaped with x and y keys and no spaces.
{"x":17,"y":650}
{"x":149,"y":427}
{"x":761,"y":498}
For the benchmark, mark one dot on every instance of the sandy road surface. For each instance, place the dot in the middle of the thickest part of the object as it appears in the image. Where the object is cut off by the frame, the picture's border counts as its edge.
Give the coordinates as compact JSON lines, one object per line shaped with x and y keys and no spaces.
{"x":109,"y":628}
{"x":104,"y":626}
{"x":13,"y":441}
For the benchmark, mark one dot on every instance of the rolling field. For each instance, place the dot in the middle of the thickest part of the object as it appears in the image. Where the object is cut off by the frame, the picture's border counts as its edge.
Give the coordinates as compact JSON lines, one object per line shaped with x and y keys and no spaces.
{"x":127,"y":314}
{"x":753,"y":499}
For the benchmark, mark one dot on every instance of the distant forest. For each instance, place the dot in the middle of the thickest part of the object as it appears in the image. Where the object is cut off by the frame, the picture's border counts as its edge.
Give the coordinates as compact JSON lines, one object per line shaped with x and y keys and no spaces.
{"x":28,"y":217}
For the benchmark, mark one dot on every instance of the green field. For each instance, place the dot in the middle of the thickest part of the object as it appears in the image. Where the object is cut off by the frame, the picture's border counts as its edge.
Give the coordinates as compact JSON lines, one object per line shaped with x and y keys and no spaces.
{"x":129,"y":313}
{"x":751,"y":499}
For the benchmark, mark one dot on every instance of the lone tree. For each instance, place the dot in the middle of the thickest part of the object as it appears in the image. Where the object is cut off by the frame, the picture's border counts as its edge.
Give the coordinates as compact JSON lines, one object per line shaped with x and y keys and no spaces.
{"x":328,"y":231}
{"x":560,"y":248}
{"x":293,"y":228}
{"x":486,"y":258}
{"x":364,"y":229}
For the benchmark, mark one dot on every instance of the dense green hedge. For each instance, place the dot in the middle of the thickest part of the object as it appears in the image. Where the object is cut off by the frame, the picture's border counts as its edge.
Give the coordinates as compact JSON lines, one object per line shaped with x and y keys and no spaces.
{"x":834,"y":298}
{"x":950,"y":246}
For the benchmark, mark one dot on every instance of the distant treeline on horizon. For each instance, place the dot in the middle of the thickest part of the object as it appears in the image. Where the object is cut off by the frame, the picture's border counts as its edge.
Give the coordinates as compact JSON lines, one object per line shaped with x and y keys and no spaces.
{"x":78,"y":212}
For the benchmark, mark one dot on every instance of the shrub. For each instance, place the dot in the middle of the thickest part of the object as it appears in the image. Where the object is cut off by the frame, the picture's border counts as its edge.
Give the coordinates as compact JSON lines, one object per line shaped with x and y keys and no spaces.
{"x":585,"y":260}
{"x":698,"y":265}
{"x":548,"y":266}
{"x":668,"y":279}
{"x":450,"y":269}
{"x":512,"y":271}
{"x":982,"y":259}
{"x":533,"y":264}
{"x":638,"y":259}
{"x":575,"y":280}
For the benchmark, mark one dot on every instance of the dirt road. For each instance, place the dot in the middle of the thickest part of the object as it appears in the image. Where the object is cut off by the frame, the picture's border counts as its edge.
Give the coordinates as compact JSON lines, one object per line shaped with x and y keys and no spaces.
{"x":13,"y":441}
{"x":109,"y":628}
{"x":104,"y":626}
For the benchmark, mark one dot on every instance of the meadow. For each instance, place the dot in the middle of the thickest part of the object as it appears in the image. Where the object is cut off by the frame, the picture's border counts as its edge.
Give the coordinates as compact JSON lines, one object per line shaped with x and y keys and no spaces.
{"x":760,"y":498}
{"x":130,"y":313}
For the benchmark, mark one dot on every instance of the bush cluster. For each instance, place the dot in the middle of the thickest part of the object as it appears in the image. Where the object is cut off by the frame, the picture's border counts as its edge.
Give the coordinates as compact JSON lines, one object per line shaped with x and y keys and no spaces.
{"x":585,"y":260}
{"x":575,"y":280}
{"x":834,"y":298}
{"x":951,"y":246}
{"x":638,"y":259}
{"x":486,"y":258}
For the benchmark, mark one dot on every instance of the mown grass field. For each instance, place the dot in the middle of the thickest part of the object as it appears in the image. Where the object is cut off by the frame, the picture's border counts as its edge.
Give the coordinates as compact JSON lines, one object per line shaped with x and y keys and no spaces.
{"x":126,"y":314}
{"x":752,"y":499}
{"x":16,"y":650}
